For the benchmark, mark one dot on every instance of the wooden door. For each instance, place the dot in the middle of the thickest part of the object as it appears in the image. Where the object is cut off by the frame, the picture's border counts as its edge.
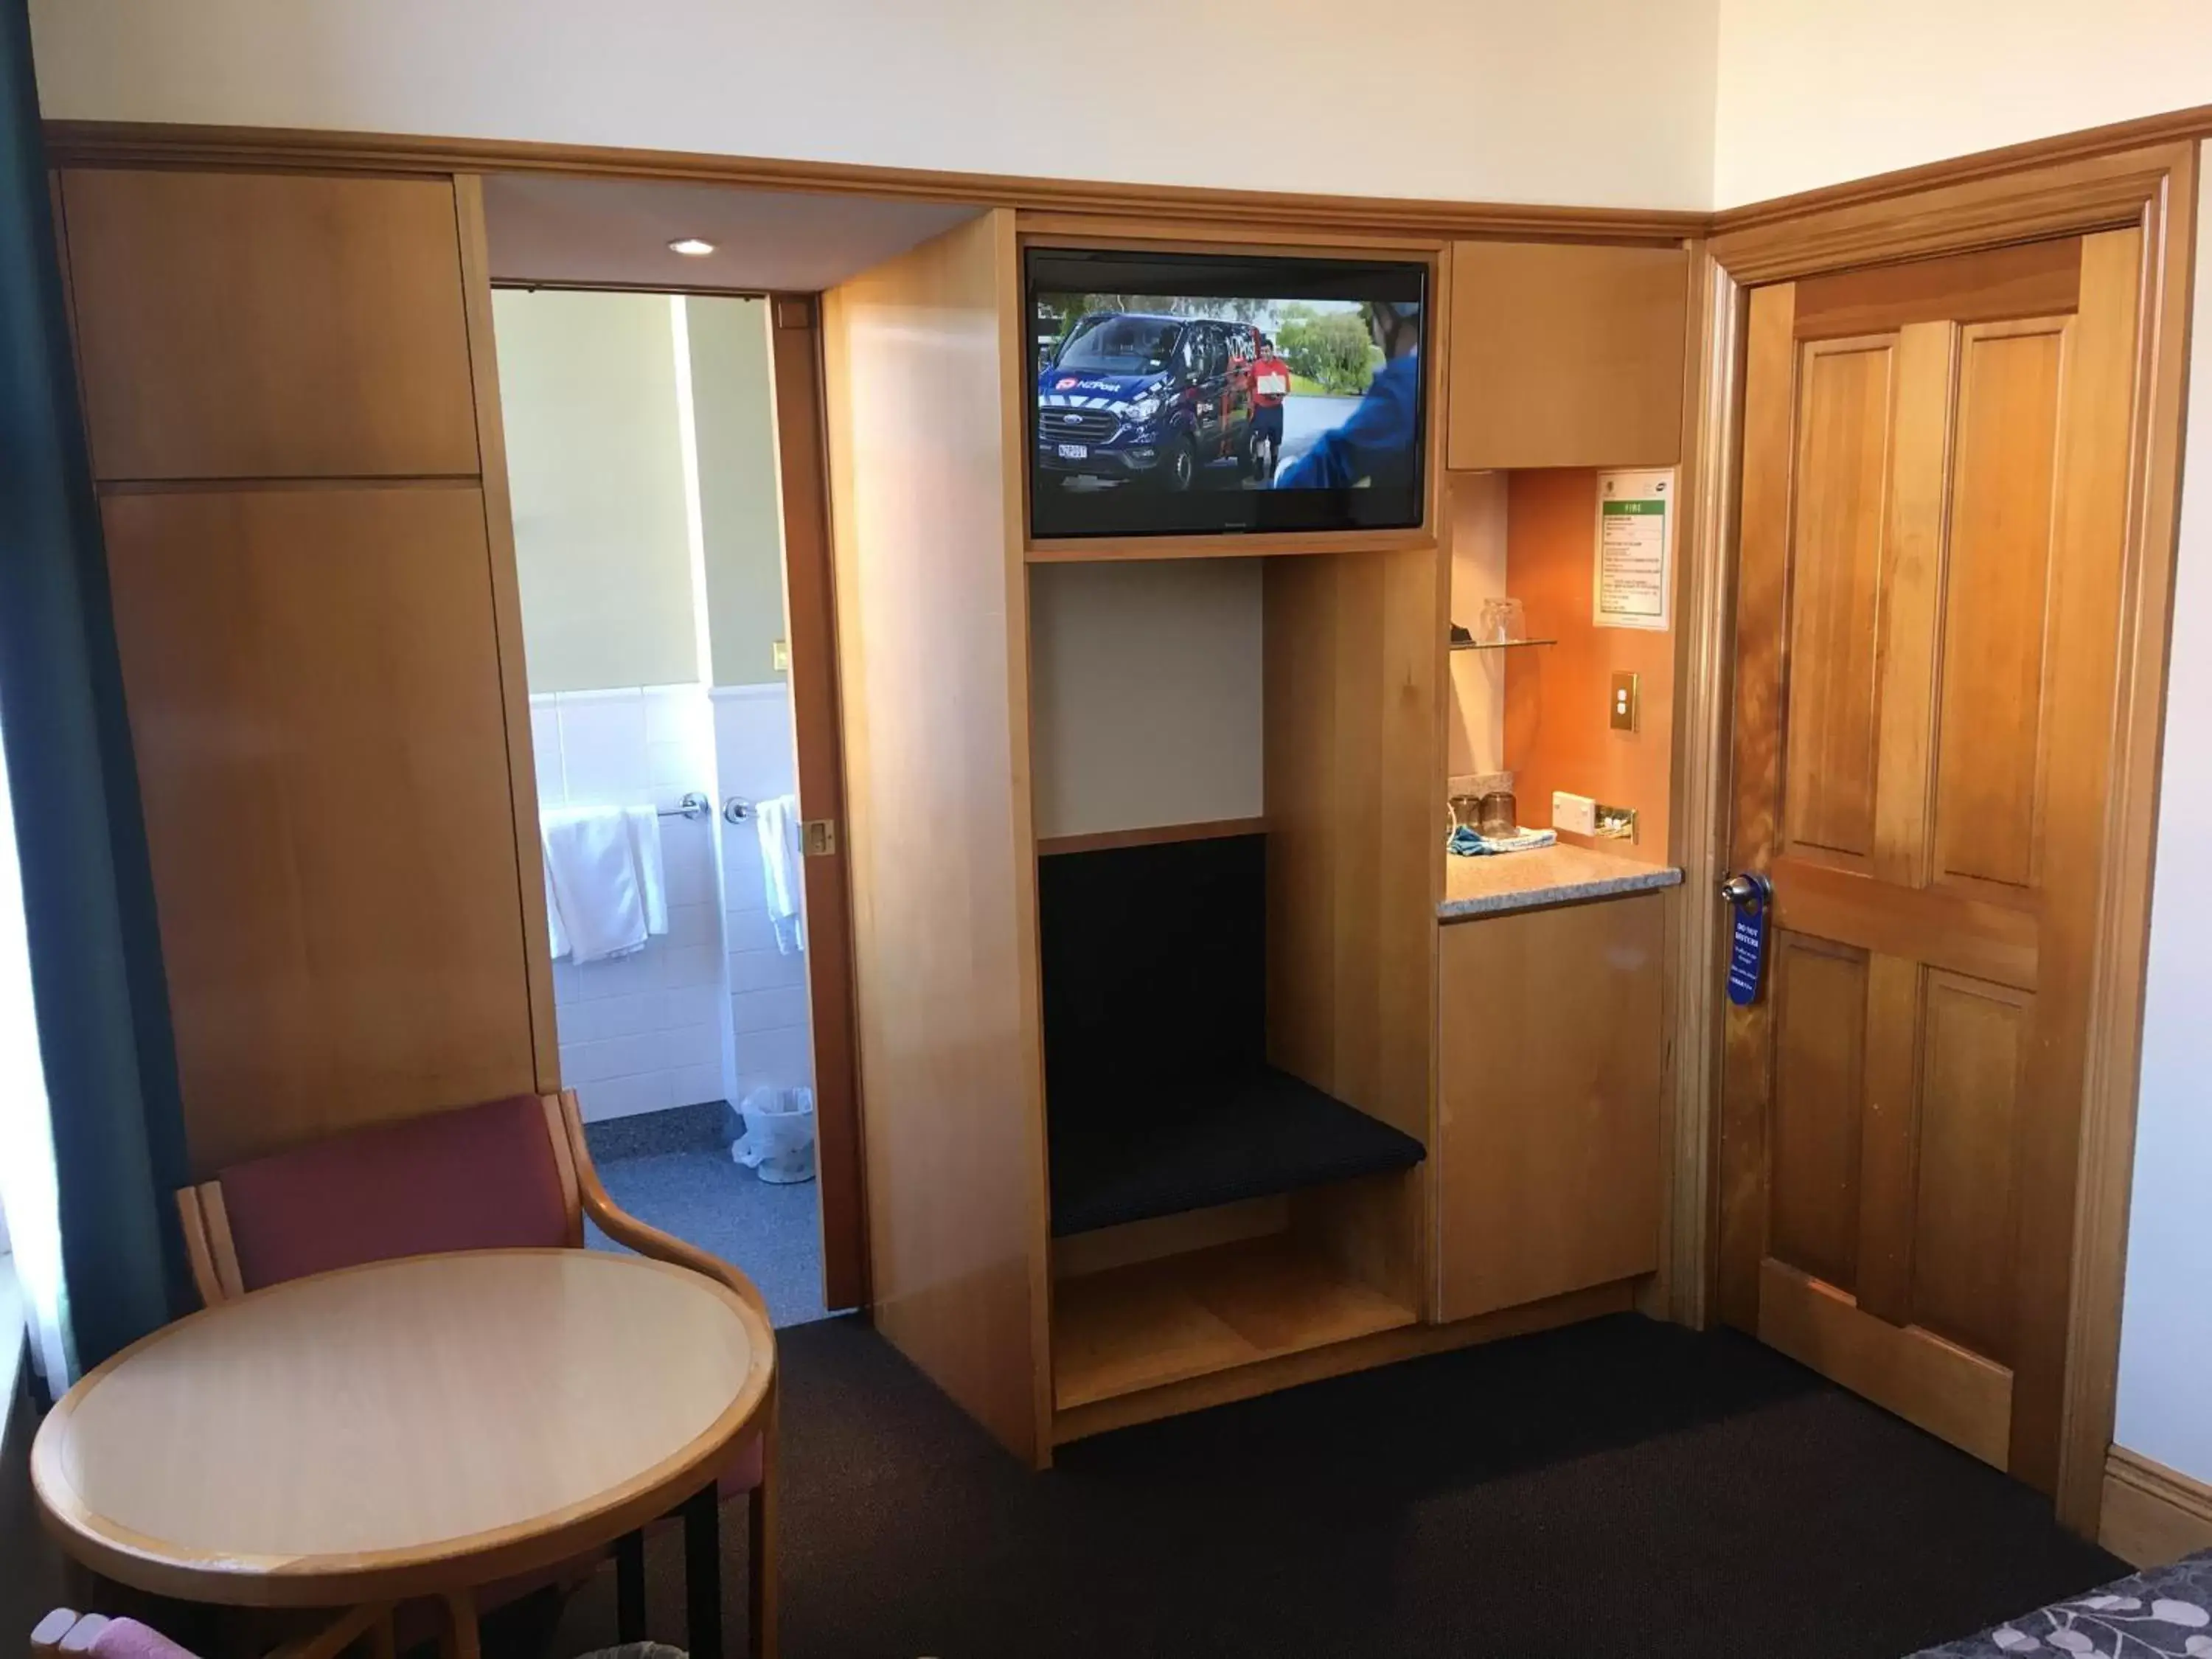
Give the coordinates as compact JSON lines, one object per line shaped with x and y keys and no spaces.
{"x":1547,"y":1161}
{"x":1933,"y":519}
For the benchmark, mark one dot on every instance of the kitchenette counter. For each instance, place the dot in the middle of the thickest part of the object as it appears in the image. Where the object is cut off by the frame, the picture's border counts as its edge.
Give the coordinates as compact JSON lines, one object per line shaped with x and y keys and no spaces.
{"x":1560,"y":874}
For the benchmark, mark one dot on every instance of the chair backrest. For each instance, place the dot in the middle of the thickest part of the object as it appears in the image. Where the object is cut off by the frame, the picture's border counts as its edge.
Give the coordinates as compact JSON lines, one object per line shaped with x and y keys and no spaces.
{"x":494,"y":1176}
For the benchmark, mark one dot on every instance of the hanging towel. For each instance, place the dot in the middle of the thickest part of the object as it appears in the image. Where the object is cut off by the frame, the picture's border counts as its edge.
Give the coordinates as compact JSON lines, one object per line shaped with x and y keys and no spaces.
{"x":776,"y":820}
{"x":591,"y":864}
{"x":652,"y":876}
{"x":554,"y":925}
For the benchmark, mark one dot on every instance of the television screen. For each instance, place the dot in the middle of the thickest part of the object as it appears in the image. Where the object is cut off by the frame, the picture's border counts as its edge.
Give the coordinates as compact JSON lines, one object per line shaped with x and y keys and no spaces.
{"x":1195,"y":394}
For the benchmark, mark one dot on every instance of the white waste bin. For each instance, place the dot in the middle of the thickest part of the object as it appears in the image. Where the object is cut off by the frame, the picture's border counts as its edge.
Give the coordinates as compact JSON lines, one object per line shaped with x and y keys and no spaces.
{"x":778,"y":1143}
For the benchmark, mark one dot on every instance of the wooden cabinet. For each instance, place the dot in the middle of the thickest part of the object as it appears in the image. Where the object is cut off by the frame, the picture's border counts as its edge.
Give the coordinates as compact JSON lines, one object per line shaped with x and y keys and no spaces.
{"x":1549,"y":1156}
{"x":315,"y":707}
{"x":311,"y":572}
{"x":270,"y":325}
{"x":1566,"y":355}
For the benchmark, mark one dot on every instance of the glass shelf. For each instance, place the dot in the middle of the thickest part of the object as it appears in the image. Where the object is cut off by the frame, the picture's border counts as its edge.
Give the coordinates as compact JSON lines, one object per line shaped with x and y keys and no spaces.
{"x":1496,"y":645}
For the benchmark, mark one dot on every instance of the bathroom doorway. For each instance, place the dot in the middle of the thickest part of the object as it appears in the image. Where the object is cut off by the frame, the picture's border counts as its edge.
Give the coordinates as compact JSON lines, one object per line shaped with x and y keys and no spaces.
{"x":643,"y":467}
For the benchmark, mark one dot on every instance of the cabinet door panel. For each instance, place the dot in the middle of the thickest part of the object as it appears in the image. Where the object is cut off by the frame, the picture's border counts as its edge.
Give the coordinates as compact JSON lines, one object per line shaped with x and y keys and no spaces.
{"x":316,"y":710}
{"x":270,"y":325}
{"x":1565,"y":355}
{"x":1549,"y":1156}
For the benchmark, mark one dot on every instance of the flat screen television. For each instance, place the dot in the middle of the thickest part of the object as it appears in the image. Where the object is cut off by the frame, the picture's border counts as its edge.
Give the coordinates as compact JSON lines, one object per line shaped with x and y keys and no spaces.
{"x":1208,"y":394}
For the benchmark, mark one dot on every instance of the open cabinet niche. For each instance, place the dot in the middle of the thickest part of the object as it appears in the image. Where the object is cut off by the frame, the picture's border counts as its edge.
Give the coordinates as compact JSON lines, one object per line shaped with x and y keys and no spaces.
{"x":1234,"y":765}
{"x":1543,"y":712}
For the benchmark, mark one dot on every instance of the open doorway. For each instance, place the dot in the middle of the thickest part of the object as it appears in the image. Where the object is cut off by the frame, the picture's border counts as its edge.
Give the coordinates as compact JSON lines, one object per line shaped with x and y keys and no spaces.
{"x":747,"y":421}
{"x":642,"y":466}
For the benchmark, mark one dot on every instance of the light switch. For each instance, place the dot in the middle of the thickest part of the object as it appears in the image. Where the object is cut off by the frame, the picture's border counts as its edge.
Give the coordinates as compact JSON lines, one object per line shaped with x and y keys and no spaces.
{"x":1627,"y":695}
{"x":779,"y":656}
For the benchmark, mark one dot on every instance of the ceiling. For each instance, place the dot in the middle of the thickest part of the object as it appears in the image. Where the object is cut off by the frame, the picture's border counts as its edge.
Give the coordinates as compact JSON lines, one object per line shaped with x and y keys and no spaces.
{"x":616,"y":232}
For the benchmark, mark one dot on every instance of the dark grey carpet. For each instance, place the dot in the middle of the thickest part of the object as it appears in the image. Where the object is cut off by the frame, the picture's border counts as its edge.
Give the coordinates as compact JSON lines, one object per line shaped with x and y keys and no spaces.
{"x":1622,"y":1487}
{"x":705,"y":1199}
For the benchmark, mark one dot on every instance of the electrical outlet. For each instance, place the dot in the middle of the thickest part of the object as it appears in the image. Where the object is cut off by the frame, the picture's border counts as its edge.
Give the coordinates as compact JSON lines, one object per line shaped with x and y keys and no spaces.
{"x":1625,"y":707}
{"x":1577,"y":815}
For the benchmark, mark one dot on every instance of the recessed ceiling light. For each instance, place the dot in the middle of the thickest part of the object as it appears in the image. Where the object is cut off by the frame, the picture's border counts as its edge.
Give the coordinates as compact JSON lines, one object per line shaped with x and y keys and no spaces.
{"x":694,"y":246}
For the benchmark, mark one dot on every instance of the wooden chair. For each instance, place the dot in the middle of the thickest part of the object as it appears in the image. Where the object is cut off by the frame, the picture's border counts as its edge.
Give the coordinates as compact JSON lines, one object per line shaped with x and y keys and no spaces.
{"x":504,"y":1174}
{"x":62,"y":1634}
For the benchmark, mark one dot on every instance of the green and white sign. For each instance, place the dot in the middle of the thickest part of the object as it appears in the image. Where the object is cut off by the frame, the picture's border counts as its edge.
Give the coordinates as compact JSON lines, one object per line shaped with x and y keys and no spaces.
{"x":1635,"y":548}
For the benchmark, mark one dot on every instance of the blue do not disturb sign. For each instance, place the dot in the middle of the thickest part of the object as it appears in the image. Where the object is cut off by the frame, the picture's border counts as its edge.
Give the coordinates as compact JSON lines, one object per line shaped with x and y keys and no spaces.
{"x":1750,"y":897}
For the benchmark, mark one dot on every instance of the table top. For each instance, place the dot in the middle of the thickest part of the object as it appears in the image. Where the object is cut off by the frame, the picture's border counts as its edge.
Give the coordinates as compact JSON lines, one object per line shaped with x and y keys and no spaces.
{"x":404,"y":1428}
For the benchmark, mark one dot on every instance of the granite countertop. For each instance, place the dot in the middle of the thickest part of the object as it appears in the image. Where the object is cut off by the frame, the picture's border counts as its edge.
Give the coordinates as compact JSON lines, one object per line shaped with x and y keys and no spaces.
{"x":1500,"y":882}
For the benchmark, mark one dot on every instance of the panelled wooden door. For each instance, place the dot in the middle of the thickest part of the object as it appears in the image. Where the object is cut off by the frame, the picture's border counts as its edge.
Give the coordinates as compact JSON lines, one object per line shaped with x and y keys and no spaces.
{"x":1935,"y":467}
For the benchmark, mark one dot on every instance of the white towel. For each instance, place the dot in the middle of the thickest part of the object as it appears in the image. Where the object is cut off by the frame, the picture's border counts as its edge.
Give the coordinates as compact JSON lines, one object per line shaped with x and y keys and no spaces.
{"x":553,"y":922}
{"x":591,"y":865}
{"x":652,"y":877}
{"x":776,"y":820}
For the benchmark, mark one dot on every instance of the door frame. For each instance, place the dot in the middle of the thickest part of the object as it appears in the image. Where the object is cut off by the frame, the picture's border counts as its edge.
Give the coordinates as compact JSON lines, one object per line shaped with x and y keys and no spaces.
{"x":802,"y":463}
{"x":1960,"y":208}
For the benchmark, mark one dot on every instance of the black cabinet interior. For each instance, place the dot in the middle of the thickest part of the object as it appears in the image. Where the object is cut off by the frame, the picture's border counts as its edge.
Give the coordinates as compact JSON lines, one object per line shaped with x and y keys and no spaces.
{"x":1159,"y":1098}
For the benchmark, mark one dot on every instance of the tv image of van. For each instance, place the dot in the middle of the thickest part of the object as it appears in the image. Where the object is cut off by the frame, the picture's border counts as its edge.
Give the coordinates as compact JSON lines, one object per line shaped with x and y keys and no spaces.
{"x":1145,"y":398}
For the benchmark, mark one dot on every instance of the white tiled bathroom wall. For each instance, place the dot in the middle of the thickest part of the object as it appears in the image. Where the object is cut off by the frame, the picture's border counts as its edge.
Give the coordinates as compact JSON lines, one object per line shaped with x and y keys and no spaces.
{"x":644,"y":1031}
{"x":770,"y":1041}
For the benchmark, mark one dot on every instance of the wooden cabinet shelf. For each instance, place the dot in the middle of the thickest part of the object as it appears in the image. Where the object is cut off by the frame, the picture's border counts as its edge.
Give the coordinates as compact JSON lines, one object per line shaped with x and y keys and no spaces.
{"x":1161,"y":1322}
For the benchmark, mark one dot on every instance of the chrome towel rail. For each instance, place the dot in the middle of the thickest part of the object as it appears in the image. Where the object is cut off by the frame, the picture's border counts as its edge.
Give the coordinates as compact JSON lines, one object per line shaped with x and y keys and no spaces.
{"x":693,"y":805}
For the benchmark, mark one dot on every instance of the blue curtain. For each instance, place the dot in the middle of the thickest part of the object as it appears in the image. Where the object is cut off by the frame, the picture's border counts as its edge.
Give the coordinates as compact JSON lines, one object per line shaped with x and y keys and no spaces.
{"x":103,"y":1019}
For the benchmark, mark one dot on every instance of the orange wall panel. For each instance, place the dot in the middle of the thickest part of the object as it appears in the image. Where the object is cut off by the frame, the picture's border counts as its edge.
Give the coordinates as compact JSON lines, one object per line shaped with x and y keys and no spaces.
{"x":1557,"y":696}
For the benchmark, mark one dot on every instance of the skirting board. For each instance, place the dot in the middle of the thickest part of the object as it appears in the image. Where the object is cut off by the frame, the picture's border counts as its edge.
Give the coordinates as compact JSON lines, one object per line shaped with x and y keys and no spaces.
{"x":2151,"y":1514}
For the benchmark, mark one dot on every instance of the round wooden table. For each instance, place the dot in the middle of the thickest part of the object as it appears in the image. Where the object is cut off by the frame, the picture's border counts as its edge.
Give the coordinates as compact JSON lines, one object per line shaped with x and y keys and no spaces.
{"x":409,"y":1428}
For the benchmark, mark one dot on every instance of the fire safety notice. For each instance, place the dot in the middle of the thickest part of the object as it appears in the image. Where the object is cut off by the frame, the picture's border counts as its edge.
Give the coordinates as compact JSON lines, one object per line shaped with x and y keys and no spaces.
{"x":1635,"y":548}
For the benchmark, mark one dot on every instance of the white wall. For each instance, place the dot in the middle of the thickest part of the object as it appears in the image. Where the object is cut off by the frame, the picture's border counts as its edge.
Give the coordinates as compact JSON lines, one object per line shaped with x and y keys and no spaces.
{"x":1591,"y":101}
{"x":1817,"y":91}
{"x":1146,"y":691}
{"x":2165,"y":1343}
{"x":595,"y":464}
{"x":740,"y":505}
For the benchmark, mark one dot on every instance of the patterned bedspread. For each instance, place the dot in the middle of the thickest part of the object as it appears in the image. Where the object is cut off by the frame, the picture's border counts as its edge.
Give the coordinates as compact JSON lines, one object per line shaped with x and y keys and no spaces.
{"x":2164,"y":1613}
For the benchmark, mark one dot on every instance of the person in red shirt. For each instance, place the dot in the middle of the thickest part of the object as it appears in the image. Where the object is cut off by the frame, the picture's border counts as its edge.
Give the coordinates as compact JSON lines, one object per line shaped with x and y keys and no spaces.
{"x":1271,"y":384}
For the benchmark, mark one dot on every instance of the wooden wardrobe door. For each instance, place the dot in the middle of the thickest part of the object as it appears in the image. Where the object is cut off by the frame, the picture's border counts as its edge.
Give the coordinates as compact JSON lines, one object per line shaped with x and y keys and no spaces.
{"x":270,"y":325}
{"x":1934,"y":515}
{"x":316,"y":710}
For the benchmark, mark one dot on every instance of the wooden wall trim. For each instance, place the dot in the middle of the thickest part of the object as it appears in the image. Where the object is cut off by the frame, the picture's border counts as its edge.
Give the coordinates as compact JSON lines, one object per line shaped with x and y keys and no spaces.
{"x":2173,"y":126}
{"x":2105,"y":1174}
{"x":127,"y":144}
{"x":1705,"y":688}
{"x":507,"y":627}
{"x":2060,"y":188}
{"x":1967,"y":207}
{"x":2151,"y":1514}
